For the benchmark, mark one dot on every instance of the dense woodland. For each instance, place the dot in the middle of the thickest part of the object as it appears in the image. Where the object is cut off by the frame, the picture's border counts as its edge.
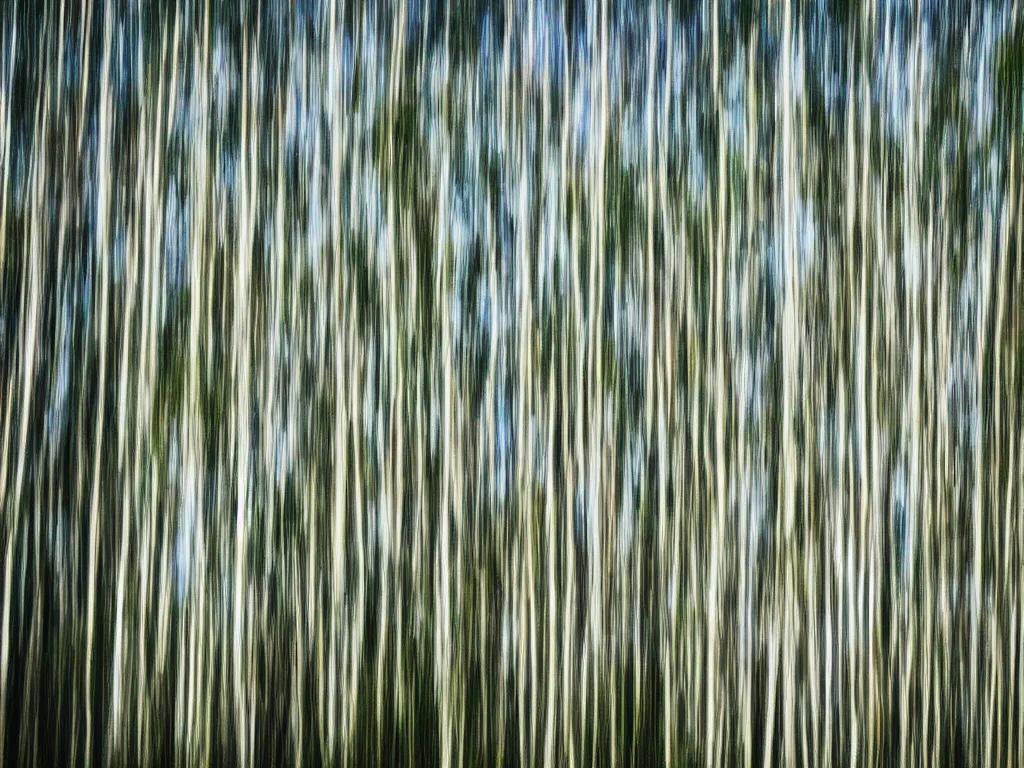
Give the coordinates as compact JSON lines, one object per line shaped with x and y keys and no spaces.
{"x":505,"y":383}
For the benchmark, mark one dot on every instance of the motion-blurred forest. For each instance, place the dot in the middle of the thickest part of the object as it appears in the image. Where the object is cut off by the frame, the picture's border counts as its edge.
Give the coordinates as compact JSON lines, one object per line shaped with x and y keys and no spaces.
{"x":512,"y":383}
